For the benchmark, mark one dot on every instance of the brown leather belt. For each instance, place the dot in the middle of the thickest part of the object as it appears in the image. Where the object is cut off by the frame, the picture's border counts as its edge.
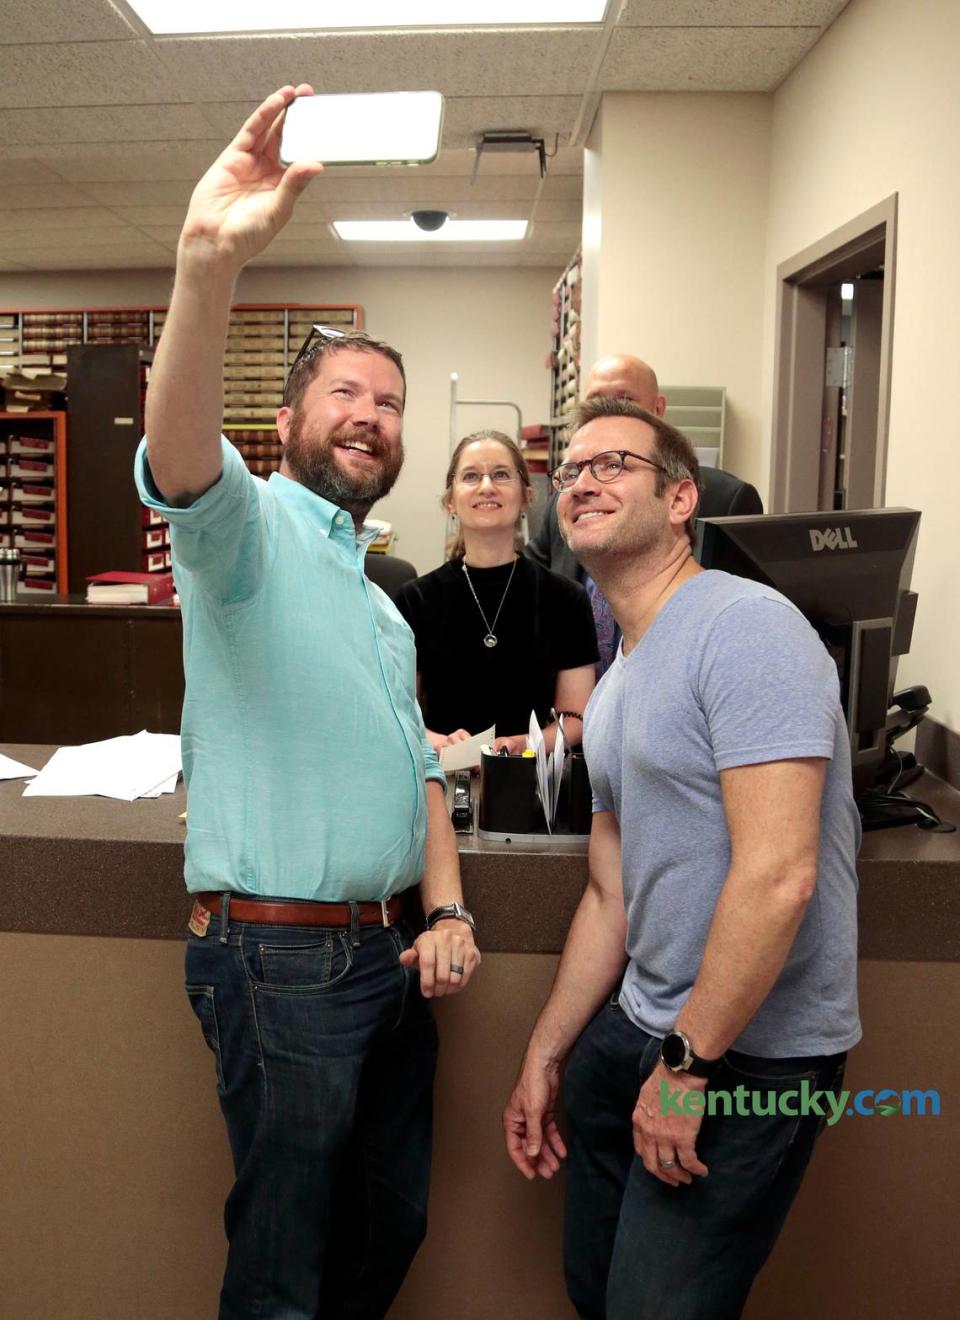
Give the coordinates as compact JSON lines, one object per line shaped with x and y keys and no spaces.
{"x":273,"y":912}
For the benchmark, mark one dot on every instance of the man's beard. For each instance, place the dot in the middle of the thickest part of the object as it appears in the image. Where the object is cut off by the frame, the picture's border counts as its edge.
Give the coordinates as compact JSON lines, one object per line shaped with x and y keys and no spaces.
{"x":313,"y":463}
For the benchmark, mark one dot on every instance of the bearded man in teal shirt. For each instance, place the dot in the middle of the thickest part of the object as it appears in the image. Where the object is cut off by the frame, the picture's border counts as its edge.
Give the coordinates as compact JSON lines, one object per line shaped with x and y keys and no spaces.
{"x":315,"y":799}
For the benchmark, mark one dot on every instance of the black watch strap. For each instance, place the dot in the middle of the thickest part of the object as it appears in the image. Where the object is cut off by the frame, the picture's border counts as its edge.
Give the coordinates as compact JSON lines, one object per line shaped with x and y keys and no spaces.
{"x":676,"y":1054}
{"x":450,"y":912}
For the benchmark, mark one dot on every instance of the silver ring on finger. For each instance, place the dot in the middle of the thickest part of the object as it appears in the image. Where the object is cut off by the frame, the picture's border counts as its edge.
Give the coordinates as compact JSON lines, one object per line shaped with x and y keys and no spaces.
{"x":664,"y":1164}
{"x":456,"y":969}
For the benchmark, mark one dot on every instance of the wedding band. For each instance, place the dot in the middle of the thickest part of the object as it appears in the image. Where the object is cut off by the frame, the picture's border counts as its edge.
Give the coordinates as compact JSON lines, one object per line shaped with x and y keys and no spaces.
{"x":456,"y":968}
{"x":666,"y":1164}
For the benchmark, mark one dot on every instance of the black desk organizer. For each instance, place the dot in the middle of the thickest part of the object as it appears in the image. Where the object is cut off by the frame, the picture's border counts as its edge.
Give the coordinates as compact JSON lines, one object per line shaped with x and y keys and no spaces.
{"x":510,"y":809}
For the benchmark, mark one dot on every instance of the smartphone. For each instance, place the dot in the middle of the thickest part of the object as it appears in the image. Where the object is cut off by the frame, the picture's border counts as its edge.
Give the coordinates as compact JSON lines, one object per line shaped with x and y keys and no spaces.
{"x":375,"y":128}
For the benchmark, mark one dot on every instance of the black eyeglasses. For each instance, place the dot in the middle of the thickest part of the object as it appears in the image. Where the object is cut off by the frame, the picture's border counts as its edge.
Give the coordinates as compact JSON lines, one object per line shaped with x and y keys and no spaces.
{"x":603,"y":467}
{"x":321,"y":332}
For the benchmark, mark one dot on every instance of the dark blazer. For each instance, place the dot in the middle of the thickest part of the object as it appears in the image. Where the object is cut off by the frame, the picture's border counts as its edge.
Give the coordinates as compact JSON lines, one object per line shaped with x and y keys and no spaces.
{"x":723,"y":495}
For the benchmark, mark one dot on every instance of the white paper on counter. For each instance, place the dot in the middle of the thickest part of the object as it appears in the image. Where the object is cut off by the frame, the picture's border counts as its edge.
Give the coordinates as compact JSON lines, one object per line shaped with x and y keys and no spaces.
{"x":557,"y":770}
{"x":168,"y":786}
{"x":11,"y":769}
{"x":465,"y":755}
{"x":125,"y":768}
{"x":544,"y":777}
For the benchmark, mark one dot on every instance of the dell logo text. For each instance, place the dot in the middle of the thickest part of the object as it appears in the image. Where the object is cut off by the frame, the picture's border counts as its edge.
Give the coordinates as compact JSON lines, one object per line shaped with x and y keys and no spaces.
{"x":834,"y":538}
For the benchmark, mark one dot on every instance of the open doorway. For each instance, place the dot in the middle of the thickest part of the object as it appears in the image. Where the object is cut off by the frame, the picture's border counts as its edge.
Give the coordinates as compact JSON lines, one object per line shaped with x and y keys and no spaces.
{"x":833,"y":354}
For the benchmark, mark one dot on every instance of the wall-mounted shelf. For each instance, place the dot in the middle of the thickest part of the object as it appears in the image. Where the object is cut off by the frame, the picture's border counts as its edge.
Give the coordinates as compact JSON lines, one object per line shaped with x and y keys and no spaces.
{"x":33,"y":497}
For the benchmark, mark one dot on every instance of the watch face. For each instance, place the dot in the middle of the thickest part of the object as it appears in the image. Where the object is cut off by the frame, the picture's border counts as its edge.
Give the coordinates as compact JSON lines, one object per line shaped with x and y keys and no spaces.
{"x":673,"y":1051}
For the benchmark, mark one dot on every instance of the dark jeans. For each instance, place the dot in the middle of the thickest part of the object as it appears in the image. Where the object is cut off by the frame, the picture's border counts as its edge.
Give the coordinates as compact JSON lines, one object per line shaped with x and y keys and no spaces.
{"x":636,"y":1249}
{"x":325,"y":1054}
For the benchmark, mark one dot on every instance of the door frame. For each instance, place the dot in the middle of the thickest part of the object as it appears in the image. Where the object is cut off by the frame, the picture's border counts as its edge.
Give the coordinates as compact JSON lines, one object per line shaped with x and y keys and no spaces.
{"x":863,"y":244}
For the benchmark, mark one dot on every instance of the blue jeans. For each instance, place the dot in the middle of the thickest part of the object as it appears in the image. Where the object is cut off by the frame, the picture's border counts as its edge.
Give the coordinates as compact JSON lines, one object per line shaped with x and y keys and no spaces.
{"x":325,"y":1056}
{"x":636,"y":1249}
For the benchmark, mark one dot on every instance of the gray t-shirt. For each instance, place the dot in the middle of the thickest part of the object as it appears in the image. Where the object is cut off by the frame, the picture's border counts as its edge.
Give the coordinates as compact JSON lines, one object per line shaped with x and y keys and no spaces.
{"x":729,"y":673}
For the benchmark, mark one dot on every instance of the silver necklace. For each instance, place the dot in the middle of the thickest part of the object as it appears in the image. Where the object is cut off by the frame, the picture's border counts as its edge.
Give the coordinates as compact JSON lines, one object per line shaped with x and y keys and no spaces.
{"x":490,"y":639}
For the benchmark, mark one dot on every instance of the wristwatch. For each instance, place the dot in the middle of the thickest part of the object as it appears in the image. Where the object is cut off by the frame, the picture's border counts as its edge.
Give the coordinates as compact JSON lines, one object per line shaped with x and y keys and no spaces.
{"x":448,"y":911}
{"x":677,"y":1055}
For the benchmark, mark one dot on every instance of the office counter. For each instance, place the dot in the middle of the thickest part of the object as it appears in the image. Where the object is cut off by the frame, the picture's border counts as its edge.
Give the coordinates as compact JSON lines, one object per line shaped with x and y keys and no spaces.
{"x":76,"y":673}
{"x":90,"y":866}
{"x":117,"y":1164}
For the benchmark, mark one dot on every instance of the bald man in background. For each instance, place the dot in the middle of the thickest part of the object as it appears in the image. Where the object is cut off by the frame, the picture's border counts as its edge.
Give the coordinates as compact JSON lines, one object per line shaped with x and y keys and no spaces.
{"x":621,"y":376}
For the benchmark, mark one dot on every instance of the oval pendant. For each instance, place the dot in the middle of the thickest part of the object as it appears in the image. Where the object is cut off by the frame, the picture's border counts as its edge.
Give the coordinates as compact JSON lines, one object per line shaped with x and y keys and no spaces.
{"x":489,"y":640}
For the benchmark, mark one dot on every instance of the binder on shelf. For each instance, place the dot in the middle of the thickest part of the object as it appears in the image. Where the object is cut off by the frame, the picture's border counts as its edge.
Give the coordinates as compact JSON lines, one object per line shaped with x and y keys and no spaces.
{"x":119,"y":588}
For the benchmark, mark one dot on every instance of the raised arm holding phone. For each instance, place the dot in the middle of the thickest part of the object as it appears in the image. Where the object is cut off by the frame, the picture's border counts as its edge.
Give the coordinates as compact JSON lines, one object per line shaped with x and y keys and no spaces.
{"x":311,"y":989}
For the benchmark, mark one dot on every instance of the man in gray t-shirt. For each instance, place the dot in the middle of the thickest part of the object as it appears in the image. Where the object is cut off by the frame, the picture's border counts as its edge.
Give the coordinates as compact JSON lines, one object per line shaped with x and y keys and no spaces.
{"x":722,"y":870}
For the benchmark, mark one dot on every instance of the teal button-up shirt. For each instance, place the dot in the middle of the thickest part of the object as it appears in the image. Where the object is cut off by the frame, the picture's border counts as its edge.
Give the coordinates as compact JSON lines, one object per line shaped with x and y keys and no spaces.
{"x":304,"y":751}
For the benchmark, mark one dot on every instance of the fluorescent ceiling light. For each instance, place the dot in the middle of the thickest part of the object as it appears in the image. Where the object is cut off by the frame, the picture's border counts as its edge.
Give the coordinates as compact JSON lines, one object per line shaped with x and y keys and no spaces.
{"x":454,"y":231}
{"x":846,"y":292}
{"x":189,"y":16}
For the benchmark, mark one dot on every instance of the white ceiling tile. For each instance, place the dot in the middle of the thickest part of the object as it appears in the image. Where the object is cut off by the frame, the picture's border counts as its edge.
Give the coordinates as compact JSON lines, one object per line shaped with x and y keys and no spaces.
{"x":83,"y":73}
{"x":153,"y":215}
{"x":545,"y":259}
{"x":29,"y":196}
{"x":18,"y":241}
{"x":425,"y":190}
{"x":103,"y":124}
{"x":63,"y":217}
{"x":103,"y":132}
{"x":566,"y":160}
{"x":130,"y":162}
{"x":562,"y":187}
{"x":168,"y":235}
{"x":569,"y":210}
{"x":276,"y":258}
{"x":129,"y":257}
{"x":477,"y":63}
{"x":465,"y":118}
{"x":307,"y":252}
{"x":555,"y":237}
{"x":703,"y":59}
{"x":25,"y":171}
{"x":730,"y":13}
{"x":54,"y":20}
{"x":171,"y":192}
{"x":446,"y":259}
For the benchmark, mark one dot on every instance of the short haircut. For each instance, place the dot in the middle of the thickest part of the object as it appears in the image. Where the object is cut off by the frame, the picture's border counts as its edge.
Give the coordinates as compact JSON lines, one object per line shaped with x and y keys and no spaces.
{"x":671,"y":448}
{"x":356,"y":341}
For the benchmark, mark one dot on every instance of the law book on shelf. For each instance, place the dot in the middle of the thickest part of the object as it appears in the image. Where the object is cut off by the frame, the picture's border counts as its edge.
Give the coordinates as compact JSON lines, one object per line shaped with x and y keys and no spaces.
{"x":119,"y":588}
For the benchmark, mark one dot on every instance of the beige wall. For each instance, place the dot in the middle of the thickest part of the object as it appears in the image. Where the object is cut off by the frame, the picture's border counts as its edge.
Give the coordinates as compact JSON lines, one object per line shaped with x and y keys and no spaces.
{"x":874,"y":110}
{"x":676,"y":188}
{"x":491,"y":326}
{"x":115,"y":1160}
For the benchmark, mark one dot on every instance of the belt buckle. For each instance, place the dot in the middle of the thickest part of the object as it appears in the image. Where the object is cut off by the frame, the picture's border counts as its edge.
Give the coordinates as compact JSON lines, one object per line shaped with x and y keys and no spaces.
{"x":383,"y":912}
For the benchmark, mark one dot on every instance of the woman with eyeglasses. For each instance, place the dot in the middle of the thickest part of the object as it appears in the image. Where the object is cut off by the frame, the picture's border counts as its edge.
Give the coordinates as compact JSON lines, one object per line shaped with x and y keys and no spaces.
{"x":498,"y":637}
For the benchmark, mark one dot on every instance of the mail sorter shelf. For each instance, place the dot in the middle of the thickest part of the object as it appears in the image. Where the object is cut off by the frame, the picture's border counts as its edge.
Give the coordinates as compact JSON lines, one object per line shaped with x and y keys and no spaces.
{"x":262,"y":344}
{"x":33,"y":497}
{"x":699,"y":411}
{"x":263,"y":341}
{"x":565,"y":354}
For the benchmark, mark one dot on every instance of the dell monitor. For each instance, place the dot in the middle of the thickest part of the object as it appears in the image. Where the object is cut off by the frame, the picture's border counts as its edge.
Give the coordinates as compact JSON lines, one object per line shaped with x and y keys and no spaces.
{"x":848,"y":572}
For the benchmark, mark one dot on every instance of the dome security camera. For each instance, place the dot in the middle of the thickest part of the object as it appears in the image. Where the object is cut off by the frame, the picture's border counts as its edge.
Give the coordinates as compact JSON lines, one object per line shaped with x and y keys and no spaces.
{"x":429,"y":221}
